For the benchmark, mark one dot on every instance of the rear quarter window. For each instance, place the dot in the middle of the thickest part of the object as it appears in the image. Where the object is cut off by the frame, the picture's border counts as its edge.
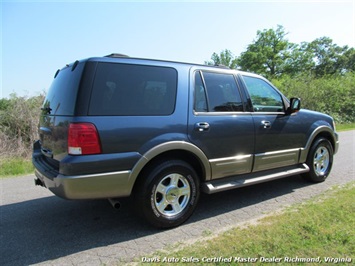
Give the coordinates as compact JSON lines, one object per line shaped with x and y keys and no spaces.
{"x":133,"y":90}
{"x":61,"y":96}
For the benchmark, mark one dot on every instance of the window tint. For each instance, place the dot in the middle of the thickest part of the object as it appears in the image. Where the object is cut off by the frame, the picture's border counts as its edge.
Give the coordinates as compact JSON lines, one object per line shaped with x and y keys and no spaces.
{"x":200,"y":95}
{"x":121,"y":89}
{"x":61,"y":96}
{"x":263,"y":96}
{"x":222,"y":93}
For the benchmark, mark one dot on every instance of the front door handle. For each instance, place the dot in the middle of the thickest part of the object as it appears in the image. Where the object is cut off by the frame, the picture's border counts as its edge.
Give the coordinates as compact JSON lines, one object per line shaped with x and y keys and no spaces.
{"x":266,"y":124}
{"x":202,"y":126}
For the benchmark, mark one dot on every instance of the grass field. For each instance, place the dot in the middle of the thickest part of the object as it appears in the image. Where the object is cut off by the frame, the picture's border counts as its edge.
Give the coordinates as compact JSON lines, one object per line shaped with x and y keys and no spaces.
{"x":15,"y":166}
{"x":319,"y":231}
{"x":345,"y":127}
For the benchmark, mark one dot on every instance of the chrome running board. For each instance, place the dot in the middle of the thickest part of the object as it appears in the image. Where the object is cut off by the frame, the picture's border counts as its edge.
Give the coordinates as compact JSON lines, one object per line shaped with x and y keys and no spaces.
{"x":218,"y":185}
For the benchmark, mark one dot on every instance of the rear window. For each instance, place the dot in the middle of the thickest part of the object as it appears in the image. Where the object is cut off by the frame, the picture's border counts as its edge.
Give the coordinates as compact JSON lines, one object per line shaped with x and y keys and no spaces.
{"x":135,"y":90}
{"x":61,"y":96}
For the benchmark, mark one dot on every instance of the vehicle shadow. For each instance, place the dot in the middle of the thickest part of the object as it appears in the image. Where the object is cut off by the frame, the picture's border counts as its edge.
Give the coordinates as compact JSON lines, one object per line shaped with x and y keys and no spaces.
{"x":48,"y":228}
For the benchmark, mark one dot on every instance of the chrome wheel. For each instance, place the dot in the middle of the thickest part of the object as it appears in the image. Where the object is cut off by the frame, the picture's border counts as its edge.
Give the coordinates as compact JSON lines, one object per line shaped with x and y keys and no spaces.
{"x":172,"y":195}
{"x":167,"y":193}
{"x":321,"y":161}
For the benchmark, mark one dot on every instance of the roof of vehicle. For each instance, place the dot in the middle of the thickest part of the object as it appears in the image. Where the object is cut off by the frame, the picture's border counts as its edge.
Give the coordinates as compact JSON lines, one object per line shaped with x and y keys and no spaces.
{"x":114,"y":57}
{"x":117,"y":57}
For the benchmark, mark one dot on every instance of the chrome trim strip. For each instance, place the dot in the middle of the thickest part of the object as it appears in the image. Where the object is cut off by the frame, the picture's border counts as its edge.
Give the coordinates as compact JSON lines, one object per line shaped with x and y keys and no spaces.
{"x":277,"y":152}
{"x":236,"y":113}
{"x":95,"y":175}
{"x":238,"y":157}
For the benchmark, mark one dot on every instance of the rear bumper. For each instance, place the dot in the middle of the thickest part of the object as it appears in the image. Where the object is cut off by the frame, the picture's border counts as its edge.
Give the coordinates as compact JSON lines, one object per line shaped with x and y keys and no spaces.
{"x":92,"y":185}
{"x":96,"y":186}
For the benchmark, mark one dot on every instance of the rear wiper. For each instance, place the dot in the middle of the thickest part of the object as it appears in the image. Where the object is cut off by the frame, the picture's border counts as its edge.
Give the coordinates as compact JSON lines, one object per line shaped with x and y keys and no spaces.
{"x":47,"y":109}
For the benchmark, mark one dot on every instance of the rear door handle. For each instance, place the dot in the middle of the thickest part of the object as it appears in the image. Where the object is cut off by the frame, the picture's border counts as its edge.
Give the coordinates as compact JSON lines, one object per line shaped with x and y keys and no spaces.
{"x":266,"y":124}
{"x":202,"y":126}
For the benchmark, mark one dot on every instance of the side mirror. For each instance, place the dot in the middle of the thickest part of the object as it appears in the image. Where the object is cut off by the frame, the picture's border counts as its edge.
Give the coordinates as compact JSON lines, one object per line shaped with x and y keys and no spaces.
{"x":295,"y":105}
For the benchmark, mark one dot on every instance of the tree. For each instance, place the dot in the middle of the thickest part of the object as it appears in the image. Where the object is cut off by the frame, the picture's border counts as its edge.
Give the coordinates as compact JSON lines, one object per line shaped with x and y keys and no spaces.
{"x":330,"y":58}
{"x":225,"y":58}
{"x":348,"y":60}
{"x":300,"y":61}
{"x":269,"y":54}
{"x":272,"y":56}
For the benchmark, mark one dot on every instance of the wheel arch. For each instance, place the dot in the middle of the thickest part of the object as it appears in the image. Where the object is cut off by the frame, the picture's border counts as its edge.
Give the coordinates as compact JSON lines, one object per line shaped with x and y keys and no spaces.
{"x":321,"y":131}
{"x":180,"y":150}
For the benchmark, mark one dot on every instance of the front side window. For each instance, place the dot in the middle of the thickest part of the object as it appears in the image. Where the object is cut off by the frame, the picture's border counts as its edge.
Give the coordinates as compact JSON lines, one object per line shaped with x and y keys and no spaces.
{"x":133,"y":90}
{"x":221,"y":91}
{"x":263,"y":96}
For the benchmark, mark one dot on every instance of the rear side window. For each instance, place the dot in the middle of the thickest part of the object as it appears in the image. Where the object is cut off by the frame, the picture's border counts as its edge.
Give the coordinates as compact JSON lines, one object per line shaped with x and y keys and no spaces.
{"x":61,"y":96}
{"x":134,"y":90}
{"x":222,"y":93}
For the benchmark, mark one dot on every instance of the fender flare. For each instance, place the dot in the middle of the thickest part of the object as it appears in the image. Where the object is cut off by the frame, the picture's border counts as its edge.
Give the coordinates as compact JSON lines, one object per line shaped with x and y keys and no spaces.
{"x":314,"y":135}
{"x":170,"y":146}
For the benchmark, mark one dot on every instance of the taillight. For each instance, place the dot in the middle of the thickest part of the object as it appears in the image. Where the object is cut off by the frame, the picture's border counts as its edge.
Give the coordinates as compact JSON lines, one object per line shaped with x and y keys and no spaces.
{"x":83,"y":139}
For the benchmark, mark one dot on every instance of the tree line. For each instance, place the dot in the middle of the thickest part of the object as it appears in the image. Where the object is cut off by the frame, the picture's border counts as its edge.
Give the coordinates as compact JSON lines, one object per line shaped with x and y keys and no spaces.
{"x":320,"y":72}
{"x":272,"y":56}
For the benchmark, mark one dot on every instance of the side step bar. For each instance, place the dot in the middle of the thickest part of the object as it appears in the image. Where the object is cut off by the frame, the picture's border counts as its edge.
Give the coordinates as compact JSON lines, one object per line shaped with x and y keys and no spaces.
{"x":251,"y":179}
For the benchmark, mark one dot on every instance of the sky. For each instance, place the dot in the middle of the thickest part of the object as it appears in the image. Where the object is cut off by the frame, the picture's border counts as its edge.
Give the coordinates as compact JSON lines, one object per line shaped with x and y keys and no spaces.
{"x":39,"y":37}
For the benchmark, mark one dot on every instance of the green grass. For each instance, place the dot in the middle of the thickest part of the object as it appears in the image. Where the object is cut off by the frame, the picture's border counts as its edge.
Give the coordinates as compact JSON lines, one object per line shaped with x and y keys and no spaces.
{"x":15,"y":166}
{"x":344,"y":127}
{"x":320,"y":228}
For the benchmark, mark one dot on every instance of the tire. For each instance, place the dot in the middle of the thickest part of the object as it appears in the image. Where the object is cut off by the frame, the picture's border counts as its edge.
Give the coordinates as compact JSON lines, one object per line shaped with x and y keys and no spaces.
{"x":168,"y":193}
{"x":319,"y":161}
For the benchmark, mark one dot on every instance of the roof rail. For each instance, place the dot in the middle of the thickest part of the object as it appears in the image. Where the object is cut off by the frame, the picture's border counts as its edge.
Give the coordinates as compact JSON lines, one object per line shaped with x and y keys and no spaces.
{"x":116,"y":55}
{"x":222,"y":66}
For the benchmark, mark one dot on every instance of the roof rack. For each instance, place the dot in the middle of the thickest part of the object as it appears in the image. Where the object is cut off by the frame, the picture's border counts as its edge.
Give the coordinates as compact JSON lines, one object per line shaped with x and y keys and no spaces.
{"x":116,"y":55}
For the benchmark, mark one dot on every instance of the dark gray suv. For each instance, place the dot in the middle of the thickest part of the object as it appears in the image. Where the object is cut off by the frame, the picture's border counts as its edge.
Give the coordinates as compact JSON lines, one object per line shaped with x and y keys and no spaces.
{"x":164,"y":131}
